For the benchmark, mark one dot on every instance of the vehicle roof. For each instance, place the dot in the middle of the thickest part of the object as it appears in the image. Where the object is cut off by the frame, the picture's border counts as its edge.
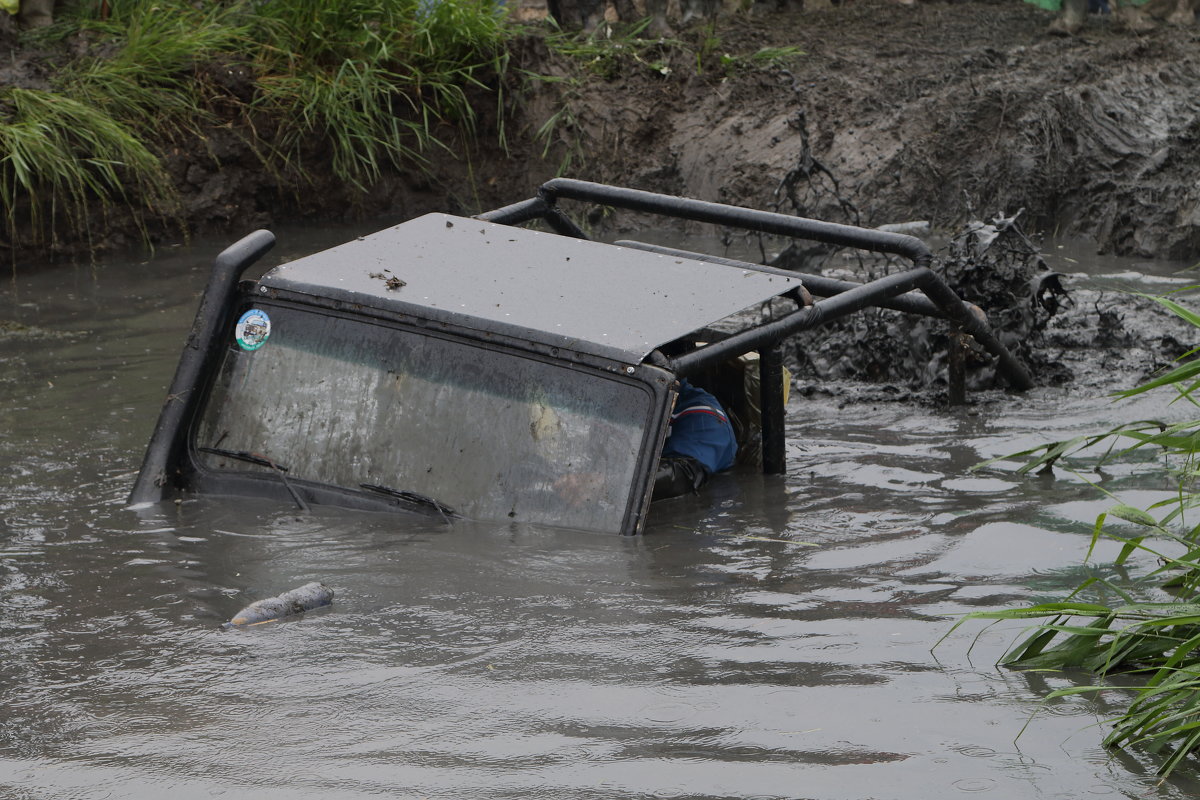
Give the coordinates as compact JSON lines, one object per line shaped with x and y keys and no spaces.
{"x":591,"y":297}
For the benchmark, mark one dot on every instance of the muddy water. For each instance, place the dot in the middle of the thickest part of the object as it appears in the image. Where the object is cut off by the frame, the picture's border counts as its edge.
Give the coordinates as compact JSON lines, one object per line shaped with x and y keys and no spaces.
{"x":770,"y":640}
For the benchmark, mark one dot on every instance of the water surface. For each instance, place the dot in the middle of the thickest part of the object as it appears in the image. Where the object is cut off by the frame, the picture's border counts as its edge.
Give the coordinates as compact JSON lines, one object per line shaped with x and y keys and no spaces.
{"x":770,"y":639}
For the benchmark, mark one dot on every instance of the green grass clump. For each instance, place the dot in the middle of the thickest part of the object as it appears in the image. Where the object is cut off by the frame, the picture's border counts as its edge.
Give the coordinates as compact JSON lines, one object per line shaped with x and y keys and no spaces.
{"x":354,"y":87}
{"x":1152,"y":647}
{"x":611,"y":50}
{"x":145,"y":72}
{"x":63,"y":158}
{"x":75,"y":152}
{"x":376,"y":77}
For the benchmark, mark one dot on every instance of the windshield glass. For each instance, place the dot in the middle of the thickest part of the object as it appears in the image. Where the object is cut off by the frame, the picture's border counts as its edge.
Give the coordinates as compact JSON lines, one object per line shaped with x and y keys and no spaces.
{"x":491,"y":435}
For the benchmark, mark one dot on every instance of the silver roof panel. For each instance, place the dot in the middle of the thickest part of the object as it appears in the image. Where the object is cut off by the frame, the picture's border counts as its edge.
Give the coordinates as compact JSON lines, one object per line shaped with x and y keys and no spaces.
{"x":587,"y":296}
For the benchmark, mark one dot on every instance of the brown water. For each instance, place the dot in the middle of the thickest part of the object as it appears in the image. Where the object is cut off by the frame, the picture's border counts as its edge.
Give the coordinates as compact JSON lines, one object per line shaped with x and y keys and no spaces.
{"x":771,"y":639}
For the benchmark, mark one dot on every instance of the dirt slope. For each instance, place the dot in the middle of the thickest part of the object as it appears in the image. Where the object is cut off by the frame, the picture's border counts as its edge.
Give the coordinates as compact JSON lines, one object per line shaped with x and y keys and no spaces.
{"x":924,"y":112}
{"x":921,"y":112}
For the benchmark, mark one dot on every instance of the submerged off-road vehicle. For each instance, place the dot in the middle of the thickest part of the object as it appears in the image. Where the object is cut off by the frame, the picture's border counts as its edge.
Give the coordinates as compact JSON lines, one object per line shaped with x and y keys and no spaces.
{"x":464,"y":366}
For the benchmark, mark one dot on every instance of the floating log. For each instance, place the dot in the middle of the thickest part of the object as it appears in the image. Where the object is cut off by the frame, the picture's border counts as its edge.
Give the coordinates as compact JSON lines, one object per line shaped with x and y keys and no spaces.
{"x":297,"y":601}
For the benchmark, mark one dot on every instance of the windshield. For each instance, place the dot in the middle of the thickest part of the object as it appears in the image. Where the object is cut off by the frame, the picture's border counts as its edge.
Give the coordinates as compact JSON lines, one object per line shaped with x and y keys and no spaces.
{"x":489,"y":434}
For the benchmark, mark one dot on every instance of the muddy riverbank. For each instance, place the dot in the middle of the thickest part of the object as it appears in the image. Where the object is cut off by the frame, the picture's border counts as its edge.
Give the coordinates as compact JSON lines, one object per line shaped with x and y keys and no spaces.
{"x":937,"y":111}
{"x":925,"y":112}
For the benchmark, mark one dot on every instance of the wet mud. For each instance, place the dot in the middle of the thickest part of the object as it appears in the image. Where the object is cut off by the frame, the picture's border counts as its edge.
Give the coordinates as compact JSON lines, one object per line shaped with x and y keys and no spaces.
{"x":938,"y":111}
{"x":1093,"y":330}
{"x":941,"y":112}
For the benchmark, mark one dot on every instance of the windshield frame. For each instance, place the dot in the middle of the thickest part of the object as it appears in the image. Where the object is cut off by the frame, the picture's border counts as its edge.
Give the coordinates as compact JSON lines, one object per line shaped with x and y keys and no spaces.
{"x":205,"y":478}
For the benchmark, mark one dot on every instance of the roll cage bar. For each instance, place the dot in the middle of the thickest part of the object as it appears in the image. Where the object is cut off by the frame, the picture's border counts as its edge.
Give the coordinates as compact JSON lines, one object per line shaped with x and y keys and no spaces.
{"x":841,"y":298}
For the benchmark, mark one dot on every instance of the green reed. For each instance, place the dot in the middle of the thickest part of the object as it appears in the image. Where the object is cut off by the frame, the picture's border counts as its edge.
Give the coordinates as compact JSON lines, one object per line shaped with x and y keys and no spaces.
{"x":354,"y":87}
{"x":1149,"y":651}
{"x":379,"y":81}
{"x":145,"y":70}
{"x":65,"y":161}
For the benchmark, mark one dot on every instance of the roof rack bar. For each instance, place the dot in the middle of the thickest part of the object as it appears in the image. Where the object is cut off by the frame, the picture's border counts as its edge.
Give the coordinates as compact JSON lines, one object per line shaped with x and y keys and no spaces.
{"x":561,"y":223}
{"x":515,"y":214}
{"x":771,"y":410}
{"x":163,"y":452}
{"x":887,"y":289}
{"x":816,"y":314}
{"x":749,"y":219}
{"x":816,"y":284}
{"x":973,"y":320}
{"x":531,"y":209}
{"x":854,"y":300}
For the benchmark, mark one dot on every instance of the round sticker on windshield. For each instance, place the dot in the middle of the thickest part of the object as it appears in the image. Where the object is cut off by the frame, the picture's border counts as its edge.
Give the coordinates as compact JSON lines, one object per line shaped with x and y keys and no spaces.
{"x":253,"y":329}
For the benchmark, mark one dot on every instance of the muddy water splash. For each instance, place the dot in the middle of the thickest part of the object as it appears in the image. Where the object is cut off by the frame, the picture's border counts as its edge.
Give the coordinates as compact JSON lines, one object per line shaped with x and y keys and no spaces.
{"x":771,"y":639}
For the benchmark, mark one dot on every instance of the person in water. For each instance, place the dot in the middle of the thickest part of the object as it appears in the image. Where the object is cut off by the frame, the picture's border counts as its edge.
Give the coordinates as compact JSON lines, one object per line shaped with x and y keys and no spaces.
{"x":700,"y":443}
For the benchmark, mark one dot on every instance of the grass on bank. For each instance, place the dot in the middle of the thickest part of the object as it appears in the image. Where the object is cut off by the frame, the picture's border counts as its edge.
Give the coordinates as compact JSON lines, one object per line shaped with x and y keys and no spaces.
{"x":145,"y":74}
{"x":356,"y":88}
{"x":359,"y":85}
{"x":612,"y":50}
{"x":375,"y":78}
{"x":1150,"y":651}
{"x":64,"y":159}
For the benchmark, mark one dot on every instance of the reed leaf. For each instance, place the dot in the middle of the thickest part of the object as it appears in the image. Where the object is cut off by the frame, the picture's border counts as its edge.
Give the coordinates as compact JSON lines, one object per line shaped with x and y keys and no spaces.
{"x":63,"y":156}
{"x":378,"y":81}
{"x":146,"y":73}
{"x":1157,"y":641}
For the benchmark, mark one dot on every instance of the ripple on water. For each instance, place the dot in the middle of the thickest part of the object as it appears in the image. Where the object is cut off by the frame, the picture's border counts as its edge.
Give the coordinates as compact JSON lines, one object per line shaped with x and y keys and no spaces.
{"x":978,"y":485}
{"x":973,"y":785}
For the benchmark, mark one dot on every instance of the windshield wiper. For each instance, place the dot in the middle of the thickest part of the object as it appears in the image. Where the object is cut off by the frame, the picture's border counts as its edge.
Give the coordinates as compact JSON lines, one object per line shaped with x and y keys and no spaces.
{"x":262,"y":461}
{"x":413,"y":497}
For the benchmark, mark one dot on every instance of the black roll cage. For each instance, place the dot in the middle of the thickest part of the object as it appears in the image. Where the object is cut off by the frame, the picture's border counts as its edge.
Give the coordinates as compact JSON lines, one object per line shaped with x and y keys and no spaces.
{"x":841,"y":297}
{"x":845,"y":297}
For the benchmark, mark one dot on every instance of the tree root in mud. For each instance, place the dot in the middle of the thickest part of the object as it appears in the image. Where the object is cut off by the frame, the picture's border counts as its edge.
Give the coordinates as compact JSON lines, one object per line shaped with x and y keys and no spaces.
{"x":1089,"y":338}
{"x":991,"y":264}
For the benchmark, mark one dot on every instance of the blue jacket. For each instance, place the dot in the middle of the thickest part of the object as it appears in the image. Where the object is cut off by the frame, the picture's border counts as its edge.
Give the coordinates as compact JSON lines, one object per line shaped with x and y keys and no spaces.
{"x":700,"y":429}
